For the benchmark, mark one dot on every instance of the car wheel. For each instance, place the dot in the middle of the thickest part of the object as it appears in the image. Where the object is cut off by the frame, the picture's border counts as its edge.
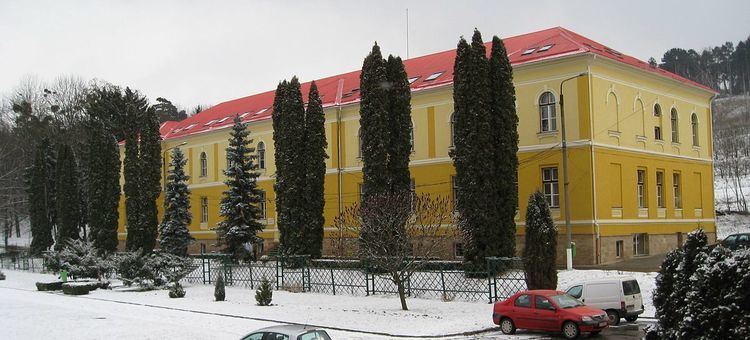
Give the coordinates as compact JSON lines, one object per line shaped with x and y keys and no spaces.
{"x":507,"y":326}
{"x":570,"y":330}
{"x":631,"y":318}
{"x":614,"y":317}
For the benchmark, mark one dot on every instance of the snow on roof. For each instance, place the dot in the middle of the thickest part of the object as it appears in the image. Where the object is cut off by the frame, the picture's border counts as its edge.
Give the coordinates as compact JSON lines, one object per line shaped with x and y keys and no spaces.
{"x":424,"y":72}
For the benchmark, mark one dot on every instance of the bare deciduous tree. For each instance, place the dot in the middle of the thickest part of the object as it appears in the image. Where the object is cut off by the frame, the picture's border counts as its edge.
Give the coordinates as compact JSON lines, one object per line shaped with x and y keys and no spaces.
{"x":397,"y":232}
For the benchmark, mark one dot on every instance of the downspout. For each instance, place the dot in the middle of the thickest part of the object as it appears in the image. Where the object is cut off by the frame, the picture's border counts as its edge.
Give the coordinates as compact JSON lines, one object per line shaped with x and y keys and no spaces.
{"x":339,"y":170}
{"x":598,"y":256}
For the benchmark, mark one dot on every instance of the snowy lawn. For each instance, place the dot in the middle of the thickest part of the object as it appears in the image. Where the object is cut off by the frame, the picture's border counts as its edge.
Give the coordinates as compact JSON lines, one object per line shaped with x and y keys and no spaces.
{"x":731,"y":224}
{"x":378,"y":313}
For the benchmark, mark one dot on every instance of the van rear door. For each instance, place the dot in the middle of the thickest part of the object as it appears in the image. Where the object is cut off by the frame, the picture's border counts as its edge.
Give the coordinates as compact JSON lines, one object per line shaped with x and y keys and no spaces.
{"x":602,"y":295}
{"x":632,"y":296}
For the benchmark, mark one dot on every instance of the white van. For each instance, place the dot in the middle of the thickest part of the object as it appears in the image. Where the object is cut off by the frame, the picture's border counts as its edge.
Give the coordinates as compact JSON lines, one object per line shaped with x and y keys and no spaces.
{"x":620,"y":297}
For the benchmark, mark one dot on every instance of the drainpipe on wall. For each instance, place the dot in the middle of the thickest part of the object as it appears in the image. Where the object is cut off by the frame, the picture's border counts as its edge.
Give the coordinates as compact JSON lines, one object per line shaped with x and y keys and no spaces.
{"x":339,"y":170}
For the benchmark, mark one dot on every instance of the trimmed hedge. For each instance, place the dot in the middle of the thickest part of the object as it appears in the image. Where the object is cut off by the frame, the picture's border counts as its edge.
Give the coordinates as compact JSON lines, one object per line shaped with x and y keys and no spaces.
{"x":78,"y":288}
{"x":48,"y":286}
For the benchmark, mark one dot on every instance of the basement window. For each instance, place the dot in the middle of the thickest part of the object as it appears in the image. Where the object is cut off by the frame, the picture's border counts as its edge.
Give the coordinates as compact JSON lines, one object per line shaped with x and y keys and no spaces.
{"x":529,"y":51}
{"x":545,"y":48}
{"x":413,"y":79}
{"x":434,"y":76}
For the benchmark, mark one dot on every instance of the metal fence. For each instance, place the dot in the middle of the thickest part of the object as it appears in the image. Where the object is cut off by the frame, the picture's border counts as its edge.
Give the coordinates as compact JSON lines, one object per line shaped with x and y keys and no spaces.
{"x":446,"y":280}
{"x":439,"y":280}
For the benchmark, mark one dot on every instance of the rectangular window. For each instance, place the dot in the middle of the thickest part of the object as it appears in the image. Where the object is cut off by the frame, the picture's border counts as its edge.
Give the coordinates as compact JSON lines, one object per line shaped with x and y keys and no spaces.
{"x":660,"y":189}
{"x":550,"y":186}
{"x":458,"y":250}
{"x":640,"y":244}
{"x":642,"y":199}
{"x":657,"y":132}
{"x":454,"y":191}
{"x":204,"y":209}
{"x":676,"y":190}
{"x":619,"y":248}
{"x":262,"y":205}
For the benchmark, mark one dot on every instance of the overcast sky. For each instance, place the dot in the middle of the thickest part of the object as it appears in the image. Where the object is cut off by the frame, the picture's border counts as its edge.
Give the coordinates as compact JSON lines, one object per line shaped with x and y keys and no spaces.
{"x":206,"y":52}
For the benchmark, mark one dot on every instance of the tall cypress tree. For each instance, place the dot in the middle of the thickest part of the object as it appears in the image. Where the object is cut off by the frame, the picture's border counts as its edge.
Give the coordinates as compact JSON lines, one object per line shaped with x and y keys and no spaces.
{"x":476,"y":197}
{"x":374,"y":131}
{"x":69,"y":214}
{"x":315,"y":169}
{"x":504,"y":130}
{"x":175,"y":235}
{"x":399,"y":125}
{"x":103,"y":163}
{"x":40,"y":190}
{"x":240,"y":205}
{"x":540,"y":253}
{"x":289,"y":143}
{"x":150,"y":176}
{"x":134,"y":107}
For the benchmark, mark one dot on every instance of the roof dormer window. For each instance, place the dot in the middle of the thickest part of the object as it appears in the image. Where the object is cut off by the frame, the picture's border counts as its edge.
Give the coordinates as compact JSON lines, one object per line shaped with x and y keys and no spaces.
{"x":529,"y":51}
{"x":413,"y":79}
{"x":545,"y":48}
{"x":434,"y":76}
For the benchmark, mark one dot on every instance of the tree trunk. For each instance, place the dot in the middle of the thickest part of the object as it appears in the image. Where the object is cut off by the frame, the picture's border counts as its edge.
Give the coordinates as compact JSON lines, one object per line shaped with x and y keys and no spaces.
{"x":401,"y":291}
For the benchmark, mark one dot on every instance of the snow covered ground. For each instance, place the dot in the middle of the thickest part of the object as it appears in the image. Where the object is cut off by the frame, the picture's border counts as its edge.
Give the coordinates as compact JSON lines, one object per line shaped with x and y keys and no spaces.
{"x":732,"y":224}
{"x":28,"y":314}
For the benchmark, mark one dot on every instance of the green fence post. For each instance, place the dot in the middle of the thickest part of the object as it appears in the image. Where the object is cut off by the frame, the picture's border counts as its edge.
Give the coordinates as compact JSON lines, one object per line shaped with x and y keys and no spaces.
{"x":333,"y":282}
{"x":442,"y":281}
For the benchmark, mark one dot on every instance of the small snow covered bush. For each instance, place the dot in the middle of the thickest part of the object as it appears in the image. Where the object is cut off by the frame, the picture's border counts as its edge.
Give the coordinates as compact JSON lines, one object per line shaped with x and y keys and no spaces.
{"x":2,"y":276}
{"x":264,"y":294}
{"x":152,"y":269}
{"x":80,"y":260}
{"x":176,"y":291}
{"x":219,"y":291}
{"x":129,"y":267}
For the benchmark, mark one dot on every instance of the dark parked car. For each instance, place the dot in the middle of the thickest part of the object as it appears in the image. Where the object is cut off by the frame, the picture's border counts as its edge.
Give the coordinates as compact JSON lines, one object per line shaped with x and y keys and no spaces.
{"x":736,"y":241}
{"x":548,"y":310}
{"x":288,"y":332}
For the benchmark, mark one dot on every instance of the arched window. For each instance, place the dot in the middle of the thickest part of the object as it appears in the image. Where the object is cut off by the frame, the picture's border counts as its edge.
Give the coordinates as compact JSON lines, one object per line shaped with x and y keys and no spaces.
{"x":262,"y":155}
{"x":204,"y":165}
{"x":547,"y":112}
{"x":453,"y":129}
{"x":411,"y":136}
{"x":675,"y":126}
{"x":694,"y":126}
{"x":359,"y":138}
{"x":657,"y":127}
{"x":262,"y":205}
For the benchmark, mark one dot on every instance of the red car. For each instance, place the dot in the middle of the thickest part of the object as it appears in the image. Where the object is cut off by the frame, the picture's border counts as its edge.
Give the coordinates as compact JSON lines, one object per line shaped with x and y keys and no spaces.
{"x":548,"y":310}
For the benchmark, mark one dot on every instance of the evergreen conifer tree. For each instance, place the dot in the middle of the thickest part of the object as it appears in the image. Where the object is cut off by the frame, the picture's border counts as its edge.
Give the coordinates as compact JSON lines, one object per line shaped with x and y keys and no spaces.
{"x":504,"y":138}
{"x":399,"y":126}
{"x":68,"y":208}
{"x":264,"y":293}
{"x":666,"y":312}
{"x":134,"y":107}
{"x":289,"y":143}
{"x":540,"y":253}
{"x":219,"y":290}
{"x":315,"y":169}
{"x":374,"y":130}
{"x":476,"y":196}
{"x":175,"y":235}
{"x":240,"y":202}
{"x":103,"y":168}
{"x":150,"y":177}
{"x":40,"y":190}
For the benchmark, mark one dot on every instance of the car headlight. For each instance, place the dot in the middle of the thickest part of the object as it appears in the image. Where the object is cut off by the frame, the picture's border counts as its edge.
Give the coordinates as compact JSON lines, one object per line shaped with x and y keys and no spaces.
{"x":586,"y":319}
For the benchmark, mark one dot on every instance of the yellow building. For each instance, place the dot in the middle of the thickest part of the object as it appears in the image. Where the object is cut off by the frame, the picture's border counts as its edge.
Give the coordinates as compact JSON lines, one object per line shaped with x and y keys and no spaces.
{"x":640,"y":153}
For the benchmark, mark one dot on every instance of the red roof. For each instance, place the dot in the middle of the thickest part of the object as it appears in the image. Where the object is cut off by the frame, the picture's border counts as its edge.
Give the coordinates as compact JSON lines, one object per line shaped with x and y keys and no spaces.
{"x":531,"y":47}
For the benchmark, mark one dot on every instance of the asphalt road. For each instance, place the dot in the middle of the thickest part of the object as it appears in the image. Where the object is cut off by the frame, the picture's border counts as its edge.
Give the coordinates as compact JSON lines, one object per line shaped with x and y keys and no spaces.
{"x":623,"y":331}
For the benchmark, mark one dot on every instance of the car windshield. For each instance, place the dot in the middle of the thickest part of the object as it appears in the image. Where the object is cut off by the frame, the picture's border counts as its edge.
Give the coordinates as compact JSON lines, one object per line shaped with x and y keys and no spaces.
{"x":566,"y":301}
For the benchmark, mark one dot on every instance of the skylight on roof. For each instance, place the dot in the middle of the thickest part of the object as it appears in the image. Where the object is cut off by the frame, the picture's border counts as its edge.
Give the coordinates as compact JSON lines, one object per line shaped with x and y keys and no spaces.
{"x":545,"y":48}
{"x":529,"y":51}
{"x":189,"y":127}
{"x":413,"y":79}
{"x":434,"y":76}
{"x":244,"y":114}
{"x":261,"y":111}
{"x":222,"y":120}
{"x":210,"y":122}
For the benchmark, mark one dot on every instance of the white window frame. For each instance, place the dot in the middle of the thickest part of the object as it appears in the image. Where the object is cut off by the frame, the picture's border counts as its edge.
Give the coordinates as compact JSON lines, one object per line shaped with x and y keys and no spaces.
{"x":551,"y":186}
{"x":204,"y":209}
{"x":262,"y":205}
{"x":675,"y":125}
{"x":204,"y":164}
{"x":641,"y":188}
{"x":261,"y":155}
{"x":640,"y":244}
{"x":660,"y":189}
{"x":677,"y":190}
{"x":694,"y":127}
{"x":547,"y":112}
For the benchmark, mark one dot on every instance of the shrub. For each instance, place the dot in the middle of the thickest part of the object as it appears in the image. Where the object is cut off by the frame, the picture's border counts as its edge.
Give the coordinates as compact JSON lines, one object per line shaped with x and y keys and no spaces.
{"x":540,"y":253}
{"x":176,"y":291}
{"x":2,"y":276}
{"x":264,"y":294}
{"x":130,"y":267}
{"x":219,"y":292}
{"x":80,"y":260}
{"x":79,"y":288}
{"x":48,"y":286}
{"x":156,"y":268}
